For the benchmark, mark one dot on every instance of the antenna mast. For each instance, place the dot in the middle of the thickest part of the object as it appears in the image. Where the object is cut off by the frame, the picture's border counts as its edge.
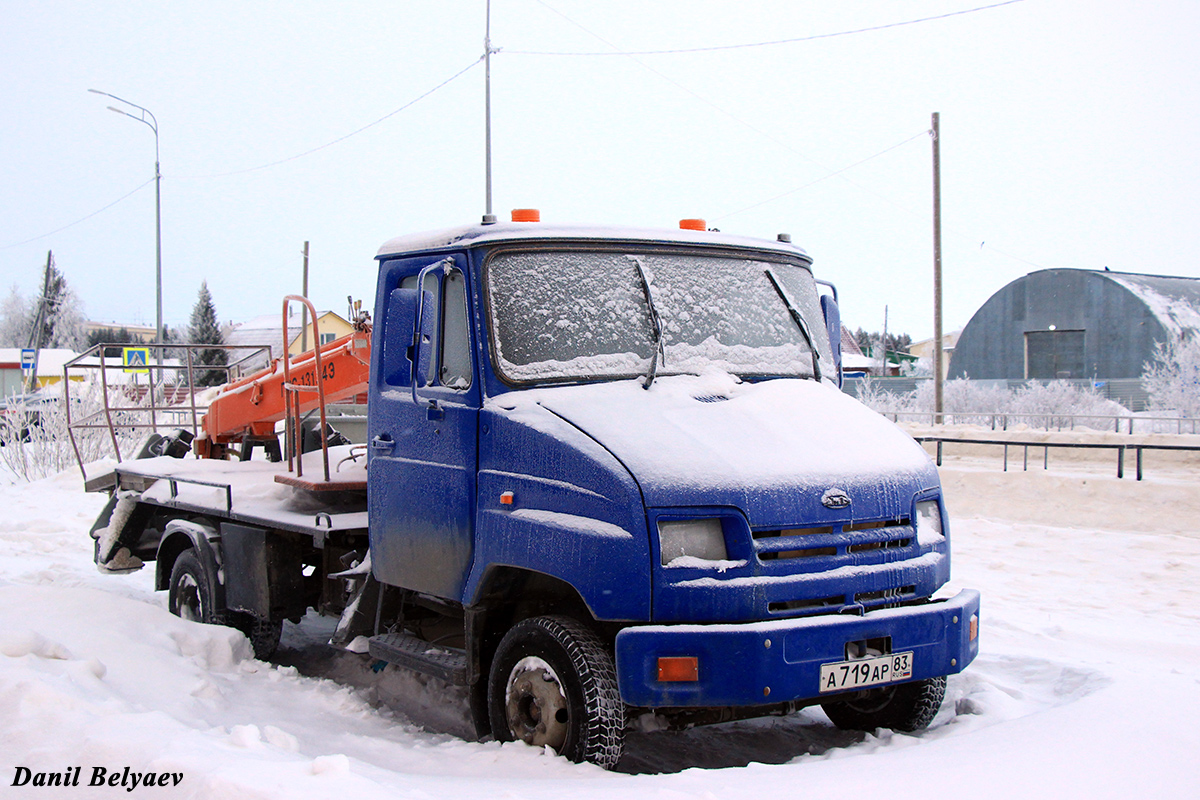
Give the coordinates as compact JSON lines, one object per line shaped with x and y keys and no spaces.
{"x":488,"y":216}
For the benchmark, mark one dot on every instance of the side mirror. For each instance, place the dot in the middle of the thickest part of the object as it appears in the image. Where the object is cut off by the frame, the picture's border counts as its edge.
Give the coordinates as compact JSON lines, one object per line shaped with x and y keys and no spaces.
{"x":406,"y":351}
{"x":833,"y":326}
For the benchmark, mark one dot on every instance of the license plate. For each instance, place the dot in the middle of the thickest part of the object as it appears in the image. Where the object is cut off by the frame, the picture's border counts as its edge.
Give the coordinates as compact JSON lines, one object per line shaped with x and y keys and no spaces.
{"x":866,"y":672}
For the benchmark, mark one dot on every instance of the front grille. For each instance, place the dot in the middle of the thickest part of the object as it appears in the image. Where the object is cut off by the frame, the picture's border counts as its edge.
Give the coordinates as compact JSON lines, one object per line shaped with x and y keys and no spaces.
{"x":870,"y":526}
{"x":793,"y":532}
{"x":823,"y":548}
{"x":894,"y":595}
{"x":834,"y":541}
{"x":867,"y":547}
{"x":833,"y":602}
{"x":810,"y":552}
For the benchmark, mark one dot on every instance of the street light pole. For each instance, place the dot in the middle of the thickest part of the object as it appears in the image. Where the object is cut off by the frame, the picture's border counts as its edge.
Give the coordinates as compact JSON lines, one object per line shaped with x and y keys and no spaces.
{"x":150,"y":121}
{"x":488,"y":217}
{"x":938,"y":352}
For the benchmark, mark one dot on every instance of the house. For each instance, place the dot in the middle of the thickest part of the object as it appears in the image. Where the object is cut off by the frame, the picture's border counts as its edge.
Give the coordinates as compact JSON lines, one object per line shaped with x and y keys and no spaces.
{"x":267,"y":331}
{"x":923,"y":350}
{"x":854,"y":363}
{"x":857,"y":364}
{"x":1076,"y":323}
{"x":142,"y":333}
{"x":49,"y":368}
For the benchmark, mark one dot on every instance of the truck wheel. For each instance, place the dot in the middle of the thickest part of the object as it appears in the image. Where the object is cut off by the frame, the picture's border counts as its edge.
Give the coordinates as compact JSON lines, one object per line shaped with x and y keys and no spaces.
{"x":906,"y":707}
{"x":189,"y":595}
{"x":553,"y":683}
{"x":263,"y":634}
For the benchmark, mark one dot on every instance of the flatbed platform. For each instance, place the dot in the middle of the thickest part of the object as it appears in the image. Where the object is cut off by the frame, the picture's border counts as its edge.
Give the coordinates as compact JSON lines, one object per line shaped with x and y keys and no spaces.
{"x":260,"y":493}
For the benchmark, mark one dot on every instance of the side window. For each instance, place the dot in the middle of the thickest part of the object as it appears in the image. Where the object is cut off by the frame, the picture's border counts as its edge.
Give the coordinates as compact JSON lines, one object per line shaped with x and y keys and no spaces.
{"x":456,"y":337}
{"x":451,"y":325}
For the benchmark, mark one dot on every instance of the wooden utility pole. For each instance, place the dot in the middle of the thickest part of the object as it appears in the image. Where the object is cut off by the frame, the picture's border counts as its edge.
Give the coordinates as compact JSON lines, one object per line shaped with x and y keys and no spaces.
{"x":884,"y":371}
{"x":937,"y":274}
{"x":304,"y":308}
{"x":39,"y":324}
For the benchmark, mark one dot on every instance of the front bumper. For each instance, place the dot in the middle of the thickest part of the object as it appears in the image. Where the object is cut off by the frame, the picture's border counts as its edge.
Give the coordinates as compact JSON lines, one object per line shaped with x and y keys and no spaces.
{"x":756,"y":663}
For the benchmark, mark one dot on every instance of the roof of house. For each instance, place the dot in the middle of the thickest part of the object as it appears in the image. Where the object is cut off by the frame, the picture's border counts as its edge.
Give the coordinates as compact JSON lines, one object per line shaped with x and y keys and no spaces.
{"x":267,"y":330}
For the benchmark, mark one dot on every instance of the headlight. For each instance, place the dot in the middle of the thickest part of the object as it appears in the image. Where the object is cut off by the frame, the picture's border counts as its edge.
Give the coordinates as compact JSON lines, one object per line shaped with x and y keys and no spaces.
{"x":929,"y":523}
{"x":703,"y":539}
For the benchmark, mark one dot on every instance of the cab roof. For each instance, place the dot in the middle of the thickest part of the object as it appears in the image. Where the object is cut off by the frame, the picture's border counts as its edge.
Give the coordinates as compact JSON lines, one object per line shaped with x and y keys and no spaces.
{"x":476,"y":235}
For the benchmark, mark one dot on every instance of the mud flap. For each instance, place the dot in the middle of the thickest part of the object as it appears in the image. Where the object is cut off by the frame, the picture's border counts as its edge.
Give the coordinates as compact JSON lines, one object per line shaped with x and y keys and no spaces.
{"x":113,"y":548}
{"x":263,"y":572}
{"x":369,"y":604}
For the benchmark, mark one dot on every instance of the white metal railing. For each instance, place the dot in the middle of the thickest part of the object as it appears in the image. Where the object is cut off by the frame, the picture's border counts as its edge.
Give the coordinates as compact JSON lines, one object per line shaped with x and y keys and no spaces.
{"x":1045,"y":447}
{"x":1053,"y":421}
{"x":130,"y":408}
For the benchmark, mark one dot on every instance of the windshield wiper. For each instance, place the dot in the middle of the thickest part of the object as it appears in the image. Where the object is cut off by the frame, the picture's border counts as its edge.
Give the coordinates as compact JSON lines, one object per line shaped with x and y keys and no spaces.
{"x":800,"y":323}
{"x":655,"y":325}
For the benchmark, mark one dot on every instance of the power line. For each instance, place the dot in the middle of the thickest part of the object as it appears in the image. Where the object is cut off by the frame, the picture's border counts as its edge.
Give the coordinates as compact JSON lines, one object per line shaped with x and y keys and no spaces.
{"x":718,"y":108}
{"x":682,"y":88}
{"x":263,"y":166}
{"x":824,"y":177}
{"x":340,"y":139}
{"x":81,"y":219}
{"x":840,"y":173}
{"x":770,"y":43}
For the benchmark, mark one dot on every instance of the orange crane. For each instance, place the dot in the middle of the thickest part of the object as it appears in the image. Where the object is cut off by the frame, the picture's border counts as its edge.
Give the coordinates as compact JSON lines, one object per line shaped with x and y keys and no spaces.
{"x":245,"y":411}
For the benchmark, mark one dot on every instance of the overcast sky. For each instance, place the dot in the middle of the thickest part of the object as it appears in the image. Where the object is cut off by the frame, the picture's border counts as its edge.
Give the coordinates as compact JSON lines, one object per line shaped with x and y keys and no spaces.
{"x":1070,"y":133}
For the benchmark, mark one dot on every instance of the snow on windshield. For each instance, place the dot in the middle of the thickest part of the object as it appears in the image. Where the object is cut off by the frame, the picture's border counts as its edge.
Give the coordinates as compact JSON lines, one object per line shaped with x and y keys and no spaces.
{"x":576,"y":314}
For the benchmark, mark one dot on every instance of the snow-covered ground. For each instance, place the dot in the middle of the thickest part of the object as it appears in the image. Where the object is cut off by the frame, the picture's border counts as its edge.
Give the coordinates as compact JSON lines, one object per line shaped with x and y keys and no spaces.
{"x":1088,"y":683}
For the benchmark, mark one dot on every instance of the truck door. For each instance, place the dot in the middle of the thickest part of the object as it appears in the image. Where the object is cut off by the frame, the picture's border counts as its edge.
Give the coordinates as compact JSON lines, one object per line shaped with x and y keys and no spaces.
{"x":422,"y":438}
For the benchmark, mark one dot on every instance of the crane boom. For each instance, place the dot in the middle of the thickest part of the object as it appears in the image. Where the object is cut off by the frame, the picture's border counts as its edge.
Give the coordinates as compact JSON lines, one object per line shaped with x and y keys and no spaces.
{"x":250,"y":407}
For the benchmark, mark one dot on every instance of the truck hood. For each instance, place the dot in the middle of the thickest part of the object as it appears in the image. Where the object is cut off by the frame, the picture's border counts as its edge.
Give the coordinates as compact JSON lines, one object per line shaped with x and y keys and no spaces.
{"x":772,"y":448}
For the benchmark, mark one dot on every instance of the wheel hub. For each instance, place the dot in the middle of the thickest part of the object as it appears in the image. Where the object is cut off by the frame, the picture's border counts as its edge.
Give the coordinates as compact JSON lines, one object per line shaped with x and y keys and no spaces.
{"x":536,"y":707}
{"x":189,"y":599}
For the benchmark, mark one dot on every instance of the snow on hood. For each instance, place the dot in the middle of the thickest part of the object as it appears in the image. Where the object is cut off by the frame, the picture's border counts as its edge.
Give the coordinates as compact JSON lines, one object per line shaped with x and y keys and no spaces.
{"x":764,"y":447}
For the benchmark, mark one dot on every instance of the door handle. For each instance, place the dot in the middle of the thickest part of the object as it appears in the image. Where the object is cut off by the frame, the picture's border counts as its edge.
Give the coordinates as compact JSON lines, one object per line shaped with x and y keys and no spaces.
{"x":382,"y":445}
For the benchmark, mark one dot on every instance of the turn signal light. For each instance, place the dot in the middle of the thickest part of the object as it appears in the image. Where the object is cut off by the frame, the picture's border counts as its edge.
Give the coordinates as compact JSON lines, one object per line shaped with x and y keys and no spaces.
{"x":693,"y":225}
{"x":526,"y":215}
{"x":974,"y":627}
{"x":676,"y":669}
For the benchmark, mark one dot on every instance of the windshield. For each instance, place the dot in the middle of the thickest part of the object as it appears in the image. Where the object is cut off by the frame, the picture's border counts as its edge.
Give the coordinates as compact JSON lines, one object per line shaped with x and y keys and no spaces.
{"x":583,"y":314}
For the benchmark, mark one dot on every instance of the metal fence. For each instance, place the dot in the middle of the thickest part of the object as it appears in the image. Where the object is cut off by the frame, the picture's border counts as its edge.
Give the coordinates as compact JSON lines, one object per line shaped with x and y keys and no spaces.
{"x":1120,"y":450}
{"x":1003,"y":421}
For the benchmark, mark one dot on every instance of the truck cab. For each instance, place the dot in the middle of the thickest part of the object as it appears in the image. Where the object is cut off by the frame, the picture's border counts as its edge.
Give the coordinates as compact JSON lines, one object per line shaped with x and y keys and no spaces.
{"x":624,"y":455}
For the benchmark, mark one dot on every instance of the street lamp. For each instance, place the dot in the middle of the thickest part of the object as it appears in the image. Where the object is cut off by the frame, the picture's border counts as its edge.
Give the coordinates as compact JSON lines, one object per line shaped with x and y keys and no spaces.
{"x":149,"y":120}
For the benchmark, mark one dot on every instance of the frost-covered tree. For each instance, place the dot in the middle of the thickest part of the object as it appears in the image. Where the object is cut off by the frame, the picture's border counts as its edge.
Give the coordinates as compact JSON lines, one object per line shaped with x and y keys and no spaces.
{"x":1172,"y":377}
{"x":867,"y":341}
{"x":58,"y":313}
{"x":920,"y":368}
{"x":1054,"y":404}
{"x":15,"y":320}
{"x":204,"y":329}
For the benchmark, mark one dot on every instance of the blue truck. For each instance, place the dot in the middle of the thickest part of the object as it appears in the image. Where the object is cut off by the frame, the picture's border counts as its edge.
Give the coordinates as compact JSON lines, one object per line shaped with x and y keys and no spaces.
{"x":607,"y":472}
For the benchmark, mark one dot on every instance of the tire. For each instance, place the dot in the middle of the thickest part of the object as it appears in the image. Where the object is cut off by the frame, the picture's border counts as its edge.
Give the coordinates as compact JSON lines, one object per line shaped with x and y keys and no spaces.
{"x":263,"y":634}
{"x":553,"y":684}
{"x":905,"y":707}
{"x":189,"y":594}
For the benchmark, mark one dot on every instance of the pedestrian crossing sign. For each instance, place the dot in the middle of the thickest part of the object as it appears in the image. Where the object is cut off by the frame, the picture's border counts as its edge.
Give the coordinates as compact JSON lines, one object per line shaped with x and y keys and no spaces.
{"x":136,"y":359}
